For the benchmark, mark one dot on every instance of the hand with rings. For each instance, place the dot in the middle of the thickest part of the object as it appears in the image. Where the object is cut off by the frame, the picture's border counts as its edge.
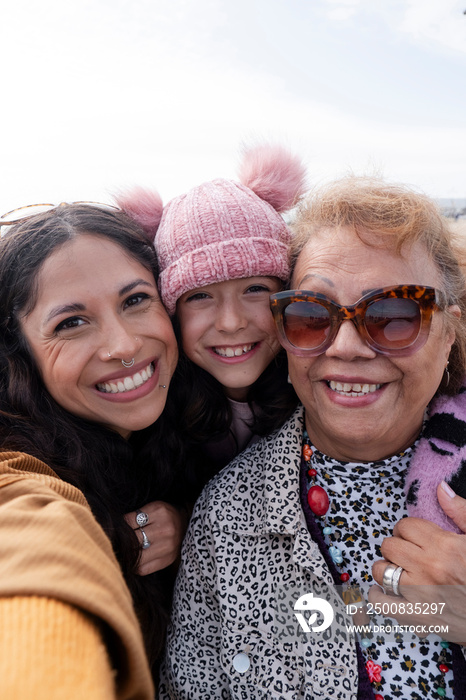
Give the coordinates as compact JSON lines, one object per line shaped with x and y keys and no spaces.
{"x":142,"y":518}
{"x":391,"y":579}
{"x":160,"y":528}
{"x":425,"y":564}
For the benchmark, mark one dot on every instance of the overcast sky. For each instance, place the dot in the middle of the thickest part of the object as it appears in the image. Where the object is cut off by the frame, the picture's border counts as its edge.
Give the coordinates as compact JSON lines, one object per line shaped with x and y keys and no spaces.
{"x":99,"y":95}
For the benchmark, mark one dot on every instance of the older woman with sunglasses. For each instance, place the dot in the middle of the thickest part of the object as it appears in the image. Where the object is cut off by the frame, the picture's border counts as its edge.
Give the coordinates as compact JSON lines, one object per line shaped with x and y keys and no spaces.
{"x":287,"y":545}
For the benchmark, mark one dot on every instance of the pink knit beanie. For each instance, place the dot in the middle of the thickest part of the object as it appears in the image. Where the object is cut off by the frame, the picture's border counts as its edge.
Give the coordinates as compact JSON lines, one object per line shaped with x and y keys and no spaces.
{"x":224,"y":230}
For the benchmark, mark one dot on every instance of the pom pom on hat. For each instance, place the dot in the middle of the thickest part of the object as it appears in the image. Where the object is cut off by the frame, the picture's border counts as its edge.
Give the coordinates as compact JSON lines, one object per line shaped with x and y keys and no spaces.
{"x":143,"y":206}
{"x":274,"y":174}
{"x":224,"y":230}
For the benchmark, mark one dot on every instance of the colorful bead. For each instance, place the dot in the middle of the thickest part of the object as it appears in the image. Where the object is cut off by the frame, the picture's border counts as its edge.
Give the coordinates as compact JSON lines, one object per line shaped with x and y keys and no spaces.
{"x":319,"y":503}
{"x":374,"y":671}
{"x":318,"y":500}
{"x":307,"y":453}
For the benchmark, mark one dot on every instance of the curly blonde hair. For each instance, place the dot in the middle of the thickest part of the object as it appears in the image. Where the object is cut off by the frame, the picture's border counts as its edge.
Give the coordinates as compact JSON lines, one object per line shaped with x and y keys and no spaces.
{"x":401,"y":217}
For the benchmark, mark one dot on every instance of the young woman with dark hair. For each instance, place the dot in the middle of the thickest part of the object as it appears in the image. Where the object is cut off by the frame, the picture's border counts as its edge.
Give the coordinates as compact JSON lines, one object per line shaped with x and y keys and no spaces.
{"x":87,"y":352}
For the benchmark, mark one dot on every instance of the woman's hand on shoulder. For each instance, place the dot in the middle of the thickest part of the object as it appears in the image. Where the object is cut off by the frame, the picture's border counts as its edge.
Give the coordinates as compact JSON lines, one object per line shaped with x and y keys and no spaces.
{"x":452,"y":505}
{"x":434,"y":570}
{"x":165,"y":528}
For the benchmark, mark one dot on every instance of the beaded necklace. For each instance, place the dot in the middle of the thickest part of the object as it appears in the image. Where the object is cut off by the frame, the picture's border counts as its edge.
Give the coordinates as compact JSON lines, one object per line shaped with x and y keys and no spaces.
{"x":319,"y":503}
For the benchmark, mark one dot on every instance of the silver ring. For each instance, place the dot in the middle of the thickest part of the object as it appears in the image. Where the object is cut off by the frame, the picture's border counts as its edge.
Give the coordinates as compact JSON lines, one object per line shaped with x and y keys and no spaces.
{"x":141,"y":518}
{"x":128,"y":364}
{"x":391,"y":579}
{"x":145,"y":540}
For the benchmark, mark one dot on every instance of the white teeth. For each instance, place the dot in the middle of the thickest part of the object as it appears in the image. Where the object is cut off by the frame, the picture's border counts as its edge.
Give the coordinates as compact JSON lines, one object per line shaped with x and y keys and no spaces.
{"x":233,"y":352}
{"x":137,"y":379}
{"x":346,"y":389}
{"x":128,"y":383}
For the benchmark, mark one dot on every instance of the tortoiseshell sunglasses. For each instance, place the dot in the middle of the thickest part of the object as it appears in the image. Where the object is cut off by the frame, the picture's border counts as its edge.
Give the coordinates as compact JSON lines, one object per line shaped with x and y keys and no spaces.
{"x":393,"y":320}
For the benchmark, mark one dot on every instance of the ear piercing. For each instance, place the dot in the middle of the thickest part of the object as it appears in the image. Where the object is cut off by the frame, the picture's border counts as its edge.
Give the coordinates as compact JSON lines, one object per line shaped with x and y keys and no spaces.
{"x":447,"y":374}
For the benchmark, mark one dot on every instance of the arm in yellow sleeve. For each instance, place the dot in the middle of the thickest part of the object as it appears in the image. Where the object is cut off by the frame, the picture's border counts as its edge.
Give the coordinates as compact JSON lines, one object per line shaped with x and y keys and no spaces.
{"x":50,"y":650}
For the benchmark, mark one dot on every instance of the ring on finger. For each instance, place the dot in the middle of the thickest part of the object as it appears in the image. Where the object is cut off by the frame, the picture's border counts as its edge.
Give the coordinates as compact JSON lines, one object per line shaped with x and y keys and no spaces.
{"x":391,"y":579}
{"x":142,"y":518}
{"x":145,"y":540}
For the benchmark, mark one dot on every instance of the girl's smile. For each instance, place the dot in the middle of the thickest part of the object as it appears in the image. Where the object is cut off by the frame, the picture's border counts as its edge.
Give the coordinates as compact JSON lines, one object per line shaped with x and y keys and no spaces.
{"x":227,"y":329}
{"x":234,"y":352}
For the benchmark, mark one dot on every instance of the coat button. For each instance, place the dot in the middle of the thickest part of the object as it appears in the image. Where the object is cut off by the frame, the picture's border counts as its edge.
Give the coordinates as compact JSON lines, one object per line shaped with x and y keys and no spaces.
{"x":241,"y":663}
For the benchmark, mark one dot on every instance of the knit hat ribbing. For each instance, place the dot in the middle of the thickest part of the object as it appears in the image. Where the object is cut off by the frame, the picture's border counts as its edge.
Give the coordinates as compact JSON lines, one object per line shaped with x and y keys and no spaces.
{"x":216,"y":232}
{"x":223,"y":230}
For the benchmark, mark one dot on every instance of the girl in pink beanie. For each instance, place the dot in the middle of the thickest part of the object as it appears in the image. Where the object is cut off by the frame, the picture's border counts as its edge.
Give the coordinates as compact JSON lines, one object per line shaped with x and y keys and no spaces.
{"x":223,"y":249}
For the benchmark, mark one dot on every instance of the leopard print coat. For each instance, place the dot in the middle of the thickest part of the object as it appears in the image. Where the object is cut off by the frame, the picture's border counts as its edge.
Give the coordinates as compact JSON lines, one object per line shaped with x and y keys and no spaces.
{"x":248,"y":545}
{"x":248,"y":551}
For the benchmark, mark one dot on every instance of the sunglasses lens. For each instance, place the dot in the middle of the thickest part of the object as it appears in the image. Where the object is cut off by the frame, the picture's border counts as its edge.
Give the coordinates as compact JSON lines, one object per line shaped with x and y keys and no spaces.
{"x":306,"y":324}
{"x":393,"y":323}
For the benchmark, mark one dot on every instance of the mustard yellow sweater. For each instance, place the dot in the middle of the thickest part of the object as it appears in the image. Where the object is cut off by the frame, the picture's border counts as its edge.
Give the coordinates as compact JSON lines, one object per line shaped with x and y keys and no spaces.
{"x":67,"y":624}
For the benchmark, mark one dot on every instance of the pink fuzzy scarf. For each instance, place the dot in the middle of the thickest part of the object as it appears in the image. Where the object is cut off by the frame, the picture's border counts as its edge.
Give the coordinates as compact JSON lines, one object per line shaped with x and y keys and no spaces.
{"x":440,"y":455}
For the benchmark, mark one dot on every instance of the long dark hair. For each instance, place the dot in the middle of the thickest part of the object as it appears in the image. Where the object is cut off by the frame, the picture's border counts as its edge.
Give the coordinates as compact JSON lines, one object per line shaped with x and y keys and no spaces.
{"x":115,"y":475}
{"x":203,"y":412}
